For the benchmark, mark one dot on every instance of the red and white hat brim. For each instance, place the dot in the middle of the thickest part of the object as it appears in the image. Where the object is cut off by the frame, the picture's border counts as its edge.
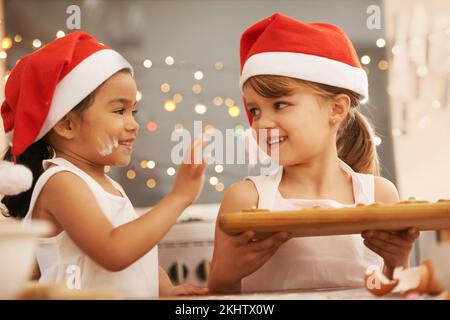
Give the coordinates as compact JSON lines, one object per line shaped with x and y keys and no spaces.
{"x":306,"y":67}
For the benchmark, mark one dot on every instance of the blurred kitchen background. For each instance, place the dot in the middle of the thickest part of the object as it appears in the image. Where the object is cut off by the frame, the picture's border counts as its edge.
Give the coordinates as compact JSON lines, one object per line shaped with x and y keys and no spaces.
{"x":186,"y":59}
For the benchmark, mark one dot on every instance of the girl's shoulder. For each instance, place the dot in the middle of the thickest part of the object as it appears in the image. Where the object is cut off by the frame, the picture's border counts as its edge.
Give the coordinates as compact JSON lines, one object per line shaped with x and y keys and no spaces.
{"x":240,"y":195}
{"x":59,"y":189}
{"x":64,"y":185}
{"x":53,"y":183}
{"x":242,"y":187}
{"x":385,"y":191}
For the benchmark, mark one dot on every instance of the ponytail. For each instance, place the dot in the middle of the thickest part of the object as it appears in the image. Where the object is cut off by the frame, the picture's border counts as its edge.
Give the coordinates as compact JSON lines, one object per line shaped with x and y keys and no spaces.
{"x":355,"y":144}
{"x":18,"y":205}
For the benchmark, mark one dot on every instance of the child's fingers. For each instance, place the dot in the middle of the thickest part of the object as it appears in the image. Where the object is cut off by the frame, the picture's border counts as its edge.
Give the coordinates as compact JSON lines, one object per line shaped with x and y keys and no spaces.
{"x":201,"y":157}
{"x":194,"y":170}
{"x":410,"y":234}
{"x":199,"y":169}
{"x":195,"y":150}
{"x":207,"y":159}
{"x":381,"y":252}
{"x":388,"y":237}
{"x":244,"y":238}
{"x":191,"y":289}
{"x":204,"y":142}
{"x":272,"y":242}
{"x":388,"y":247}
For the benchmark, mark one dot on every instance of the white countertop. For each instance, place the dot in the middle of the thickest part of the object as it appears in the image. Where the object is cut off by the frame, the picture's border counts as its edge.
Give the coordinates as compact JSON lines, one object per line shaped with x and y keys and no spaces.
{"x":319,"y":294}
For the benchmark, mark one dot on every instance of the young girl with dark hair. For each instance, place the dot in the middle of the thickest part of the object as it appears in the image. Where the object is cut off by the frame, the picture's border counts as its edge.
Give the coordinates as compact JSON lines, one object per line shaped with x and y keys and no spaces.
{"x":70,"y":109}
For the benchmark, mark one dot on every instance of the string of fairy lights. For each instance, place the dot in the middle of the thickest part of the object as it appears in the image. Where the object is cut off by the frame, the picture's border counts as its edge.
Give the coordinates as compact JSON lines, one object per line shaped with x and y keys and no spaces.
{"x":200,"y":108}
{"x":170,"y":104}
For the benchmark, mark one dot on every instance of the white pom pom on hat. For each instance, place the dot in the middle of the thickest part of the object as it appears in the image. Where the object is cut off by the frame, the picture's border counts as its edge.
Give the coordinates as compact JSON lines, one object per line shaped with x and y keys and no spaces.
{"x":15,"y":179}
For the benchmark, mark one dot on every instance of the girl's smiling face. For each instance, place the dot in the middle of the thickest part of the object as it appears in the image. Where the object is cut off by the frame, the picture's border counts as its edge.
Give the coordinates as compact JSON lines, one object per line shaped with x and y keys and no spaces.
{"x":107,"y":129}
{"x":302,"y":120}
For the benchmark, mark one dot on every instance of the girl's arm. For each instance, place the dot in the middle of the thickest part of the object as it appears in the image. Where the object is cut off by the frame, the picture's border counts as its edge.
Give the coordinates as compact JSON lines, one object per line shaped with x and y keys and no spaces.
{"x":165,"y":285}
{"x":75,"y":208}
{"x":236,"y":257}
{"x":393,"y":247}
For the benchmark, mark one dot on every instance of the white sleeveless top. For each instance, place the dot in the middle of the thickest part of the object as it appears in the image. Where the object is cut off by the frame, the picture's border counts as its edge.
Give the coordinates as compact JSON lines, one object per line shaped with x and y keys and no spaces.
{"x":61,"y":261}
{"x":313,"y":262}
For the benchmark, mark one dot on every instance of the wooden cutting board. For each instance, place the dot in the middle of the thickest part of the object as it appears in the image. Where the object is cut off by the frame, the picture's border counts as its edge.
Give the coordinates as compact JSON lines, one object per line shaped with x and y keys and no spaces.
{"x":338,"y":221}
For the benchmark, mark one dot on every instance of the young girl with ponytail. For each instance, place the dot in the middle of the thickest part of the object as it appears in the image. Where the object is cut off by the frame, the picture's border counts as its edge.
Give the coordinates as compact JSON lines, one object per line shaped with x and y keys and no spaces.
{"x":302,"y":83}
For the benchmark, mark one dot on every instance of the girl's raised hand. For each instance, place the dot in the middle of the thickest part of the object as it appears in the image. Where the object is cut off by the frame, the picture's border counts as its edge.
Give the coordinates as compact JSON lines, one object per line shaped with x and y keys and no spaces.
{"x":190,"y":177}
{"x":393,"y":247}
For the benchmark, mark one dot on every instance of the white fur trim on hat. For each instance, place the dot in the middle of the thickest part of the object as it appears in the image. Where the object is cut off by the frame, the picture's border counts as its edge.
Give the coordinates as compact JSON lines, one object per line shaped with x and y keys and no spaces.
{"x":15,"y":178}
{"x":306,"y":67}
{"x":80,"y":82}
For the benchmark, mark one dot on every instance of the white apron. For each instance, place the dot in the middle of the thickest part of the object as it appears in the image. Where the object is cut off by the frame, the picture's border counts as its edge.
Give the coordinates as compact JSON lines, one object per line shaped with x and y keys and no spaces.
{"x":61,"y":261}
{"x":313,"y":262}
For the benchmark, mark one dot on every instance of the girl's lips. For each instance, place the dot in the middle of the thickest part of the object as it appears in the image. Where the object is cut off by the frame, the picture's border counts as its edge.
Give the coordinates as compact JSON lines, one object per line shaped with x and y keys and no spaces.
{"x":128,"y":144}
{"x":276,"y":140}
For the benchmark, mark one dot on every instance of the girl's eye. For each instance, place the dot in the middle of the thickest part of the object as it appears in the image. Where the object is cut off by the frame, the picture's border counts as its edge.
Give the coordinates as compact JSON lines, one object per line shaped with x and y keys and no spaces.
{"x":254,"y":112}
{"x":280,"y":105}
{"x":122,"y":111}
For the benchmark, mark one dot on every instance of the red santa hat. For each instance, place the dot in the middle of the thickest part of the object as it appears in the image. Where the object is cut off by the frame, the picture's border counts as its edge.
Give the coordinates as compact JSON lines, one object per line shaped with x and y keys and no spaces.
{"x":45,"y":85}
{"x":318,"y":52}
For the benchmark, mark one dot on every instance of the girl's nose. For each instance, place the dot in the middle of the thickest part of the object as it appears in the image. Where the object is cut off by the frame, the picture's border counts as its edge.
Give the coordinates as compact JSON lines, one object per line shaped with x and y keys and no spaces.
{"x":266,"y":122}
{"x":132,"y":124}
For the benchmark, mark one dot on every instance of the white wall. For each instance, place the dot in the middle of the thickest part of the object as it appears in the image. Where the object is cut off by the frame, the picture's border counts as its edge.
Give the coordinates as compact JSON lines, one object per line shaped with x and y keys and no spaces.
{"x":422,"y":152}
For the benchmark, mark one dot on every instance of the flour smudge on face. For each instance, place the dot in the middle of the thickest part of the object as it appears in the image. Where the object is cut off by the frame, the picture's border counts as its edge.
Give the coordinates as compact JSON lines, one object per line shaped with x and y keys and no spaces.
{"x":106,"y":145}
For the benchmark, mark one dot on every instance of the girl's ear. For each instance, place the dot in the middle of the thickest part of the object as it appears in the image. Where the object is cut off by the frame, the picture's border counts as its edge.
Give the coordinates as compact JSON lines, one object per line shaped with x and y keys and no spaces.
{"x":66,"y":127}
{"x":340,"y":107}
